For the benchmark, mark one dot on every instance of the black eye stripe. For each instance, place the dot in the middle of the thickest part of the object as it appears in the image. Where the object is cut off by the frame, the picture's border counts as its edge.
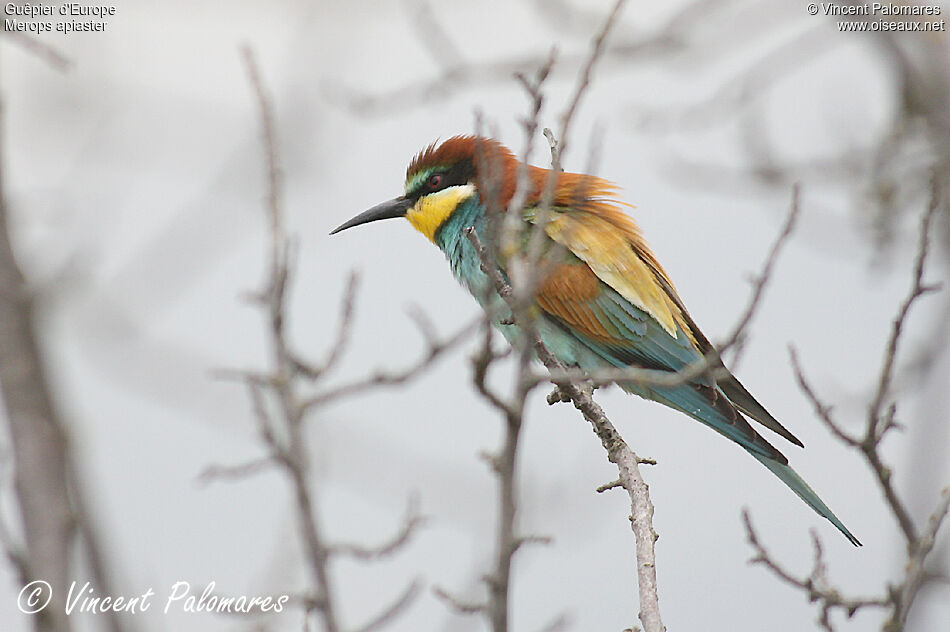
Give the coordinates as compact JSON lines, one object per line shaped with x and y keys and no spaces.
{"x":460,"y":173}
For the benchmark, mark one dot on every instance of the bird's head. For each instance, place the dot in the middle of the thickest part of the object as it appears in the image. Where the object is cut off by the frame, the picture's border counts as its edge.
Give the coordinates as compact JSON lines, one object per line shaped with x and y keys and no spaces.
{"x":441,"y":178}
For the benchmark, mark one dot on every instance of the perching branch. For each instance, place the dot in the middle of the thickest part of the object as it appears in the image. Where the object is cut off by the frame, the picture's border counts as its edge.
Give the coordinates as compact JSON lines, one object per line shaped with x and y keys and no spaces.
{"x":526,"y":273}
{"x":617,"y":450}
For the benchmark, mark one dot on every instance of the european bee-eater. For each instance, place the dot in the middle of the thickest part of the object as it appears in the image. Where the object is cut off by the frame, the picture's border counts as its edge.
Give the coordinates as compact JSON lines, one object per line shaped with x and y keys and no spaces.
{"x":605,"y":301}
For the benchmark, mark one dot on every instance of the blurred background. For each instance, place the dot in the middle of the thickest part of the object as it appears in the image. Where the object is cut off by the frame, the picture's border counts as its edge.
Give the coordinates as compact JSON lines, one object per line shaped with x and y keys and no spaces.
{"x":136,"y":184}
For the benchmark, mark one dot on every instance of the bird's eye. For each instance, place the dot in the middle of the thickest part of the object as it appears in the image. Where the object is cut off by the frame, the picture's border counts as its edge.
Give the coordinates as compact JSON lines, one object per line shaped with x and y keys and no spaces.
{"x":435,"y":181}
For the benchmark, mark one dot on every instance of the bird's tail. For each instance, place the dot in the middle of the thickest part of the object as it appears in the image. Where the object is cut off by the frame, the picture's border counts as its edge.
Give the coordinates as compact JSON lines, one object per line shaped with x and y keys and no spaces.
{"x":711,"y":407}
{"x":795,"y":482}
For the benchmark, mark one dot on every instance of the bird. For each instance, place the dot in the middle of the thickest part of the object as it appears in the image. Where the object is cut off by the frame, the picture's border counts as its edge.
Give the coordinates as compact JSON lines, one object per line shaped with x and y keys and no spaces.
{"x":605,"y":302}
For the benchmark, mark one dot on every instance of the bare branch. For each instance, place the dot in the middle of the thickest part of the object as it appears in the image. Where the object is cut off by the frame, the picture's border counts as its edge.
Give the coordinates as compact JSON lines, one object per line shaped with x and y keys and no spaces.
{"x":455,"y":73}
{"x":504,"y":466}
{"x":880,"y":419}
{"x":816,"y":585}
{"x":822,"y":411}
{"x":269,"y":138}
{"x":382,"y":378}
{"x":412,"y":521}
{"x":236,"y":472}
{"x":13,"y":549}
{"x":393,"y":610}
{"x":561,"y":623}
{"x":875,"y":431}
{"x":290,"y":454}
{"x":915,"y":572}
{"x":456,"y":604}
{"x":40,"y":49}
{"x":525,"y":273}
{"x":480,"y":365}
{"x":532,"y":265}
{"x":597,"y":50}
{"x":617,"y":450}
{"x":512,"y":218}
{"x":280,"y":408}
{"x":437,"y":41}
{"x":641,"y":506}
{"x":760,"y":282}
{"x":739,"y":90}
{"x":265,"y":423}
{"x":342,"y":336}
{"x":464,"y":75}
{"x":40,"y":451}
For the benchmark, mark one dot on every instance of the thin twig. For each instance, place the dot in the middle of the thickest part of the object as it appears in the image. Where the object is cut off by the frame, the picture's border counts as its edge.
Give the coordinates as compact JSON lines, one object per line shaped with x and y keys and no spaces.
{"x":815,"y":586}
{"x":456,"y":604}
{"x":393,"y":610}
{"x":915,"y":571}
{"x":822,"y":410}
{"x":388,"y":378}
{"x":587,"y":71}
{"x":269,"y":138}
{"x":342,"y":337}
{"x":762,"y":279}
{"x":40,"y":49}
{"x":410,"y":525}
{"x":877,"y":422}
{"x":437,"y":41}
{"x":236,"y":472}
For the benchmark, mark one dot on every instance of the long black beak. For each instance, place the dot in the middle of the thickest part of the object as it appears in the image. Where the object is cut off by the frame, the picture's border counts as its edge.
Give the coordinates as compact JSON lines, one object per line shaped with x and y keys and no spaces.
{"x":387,"y":210}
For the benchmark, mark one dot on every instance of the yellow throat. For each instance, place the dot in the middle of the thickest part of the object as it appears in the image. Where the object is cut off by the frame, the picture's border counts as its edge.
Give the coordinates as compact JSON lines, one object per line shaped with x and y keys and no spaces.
{"x":431,"y":211}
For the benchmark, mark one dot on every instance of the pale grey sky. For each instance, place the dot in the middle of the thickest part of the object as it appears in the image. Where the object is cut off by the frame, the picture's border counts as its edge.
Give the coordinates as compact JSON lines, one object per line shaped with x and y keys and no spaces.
{"x":137,"y":183}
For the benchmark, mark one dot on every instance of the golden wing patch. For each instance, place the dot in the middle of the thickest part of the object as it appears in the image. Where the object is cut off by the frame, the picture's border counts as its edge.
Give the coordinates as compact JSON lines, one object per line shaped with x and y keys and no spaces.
{"x":607,"y":250}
